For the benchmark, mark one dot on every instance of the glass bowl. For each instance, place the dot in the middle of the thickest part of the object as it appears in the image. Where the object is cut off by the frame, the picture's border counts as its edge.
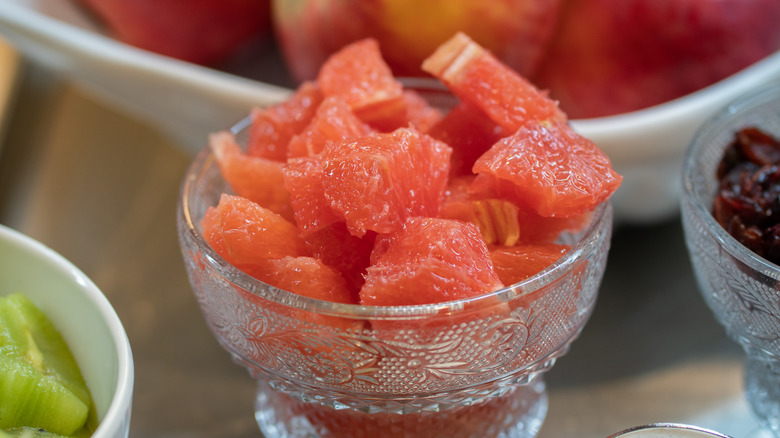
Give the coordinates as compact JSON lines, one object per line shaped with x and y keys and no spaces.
{"x":468,"y":368}
{"x":740,"y":287}
{"x":84,"y":317}
{"x":667,"y":430}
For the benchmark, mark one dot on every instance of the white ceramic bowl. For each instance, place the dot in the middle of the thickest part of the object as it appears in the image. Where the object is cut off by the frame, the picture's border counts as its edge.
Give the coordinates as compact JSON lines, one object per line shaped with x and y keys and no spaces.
{"x":85,"y":318}
{"x":187,"y":101}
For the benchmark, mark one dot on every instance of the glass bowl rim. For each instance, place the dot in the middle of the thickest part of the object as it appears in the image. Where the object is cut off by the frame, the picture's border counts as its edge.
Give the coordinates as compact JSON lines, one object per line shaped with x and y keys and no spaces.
{"x":668,"y":426}
{"x":690,"y":186}
{"x":600,"y":218}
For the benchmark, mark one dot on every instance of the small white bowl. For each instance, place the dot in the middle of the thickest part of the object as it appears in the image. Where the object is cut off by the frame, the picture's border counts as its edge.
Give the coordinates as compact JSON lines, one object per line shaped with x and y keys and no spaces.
{"x":85,"y":318}
{"x":668,"y":430}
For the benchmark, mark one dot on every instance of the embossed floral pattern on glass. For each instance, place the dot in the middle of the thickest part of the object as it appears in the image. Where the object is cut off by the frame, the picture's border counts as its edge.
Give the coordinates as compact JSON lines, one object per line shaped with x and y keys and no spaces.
{"x":741,"y":288}
{"x":415,"y":360}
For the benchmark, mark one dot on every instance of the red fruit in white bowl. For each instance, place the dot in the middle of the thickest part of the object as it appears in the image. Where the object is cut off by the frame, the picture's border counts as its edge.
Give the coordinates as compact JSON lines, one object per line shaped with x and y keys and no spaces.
{"x":616,"y":56}
{"x":516,"y":31}
{"x":198,"y":31}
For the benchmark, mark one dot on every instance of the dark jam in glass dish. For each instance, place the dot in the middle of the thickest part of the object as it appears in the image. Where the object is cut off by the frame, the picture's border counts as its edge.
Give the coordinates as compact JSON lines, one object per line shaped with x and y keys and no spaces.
{"x":747,"y":203}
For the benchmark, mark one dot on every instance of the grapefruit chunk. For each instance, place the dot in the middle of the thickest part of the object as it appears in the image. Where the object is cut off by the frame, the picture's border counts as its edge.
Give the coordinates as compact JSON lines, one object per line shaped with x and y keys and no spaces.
{"x":348,"y":254}
{"x":499,"y":220}
{"x":473,"y":74}
{"x":306,"y":276}
{"x":246,"y":234}
{"x":430,"y":260}
{"x":469,"y":132}
{"x":274,"y":126}
{"x":333,"y":121}
{"x":258,"y":179}
{"x":517,"y":263}
{"x":303,"y":178}
{"x":550,"y":168}
{"x":375,"y":182}
{"x":358,"y":74}
{"x":410,"y":109}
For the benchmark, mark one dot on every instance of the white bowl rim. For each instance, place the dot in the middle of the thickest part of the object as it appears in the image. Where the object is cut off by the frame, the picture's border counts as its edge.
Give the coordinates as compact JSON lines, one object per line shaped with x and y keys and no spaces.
{"x":114,"y":417}
{"x":676,"y":111}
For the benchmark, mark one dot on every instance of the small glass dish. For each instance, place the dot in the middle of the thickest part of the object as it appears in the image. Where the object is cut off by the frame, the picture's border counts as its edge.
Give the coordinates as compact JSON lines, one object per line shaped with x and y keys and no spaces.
{"x":740,"y":287}
{"x":468,"y":368}
{"x":667,"y":430}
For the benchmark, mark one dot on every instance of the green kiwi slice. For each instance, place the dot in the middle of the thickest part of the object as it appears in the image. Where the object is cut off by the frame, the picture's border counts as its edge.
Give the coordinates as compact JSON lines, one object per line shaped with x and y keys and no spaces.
{"x":28,"y":432}
{"x":40,"y":382}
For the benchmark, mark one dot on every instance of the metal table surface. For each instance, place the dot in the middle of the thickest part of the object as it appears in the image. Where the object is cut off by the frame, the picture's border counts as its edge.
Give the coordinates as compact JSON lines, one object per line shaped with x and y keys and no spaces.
{"x":101,"y":189}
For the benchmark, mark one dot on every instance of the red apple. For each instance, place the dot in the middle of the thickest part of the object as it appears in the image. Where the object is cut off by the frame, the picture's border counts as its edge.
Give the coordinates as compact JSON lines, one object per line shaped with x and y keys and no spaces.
{"x":199,"y":31}
{"x":517,"y":31}
{"x":614,"y":56}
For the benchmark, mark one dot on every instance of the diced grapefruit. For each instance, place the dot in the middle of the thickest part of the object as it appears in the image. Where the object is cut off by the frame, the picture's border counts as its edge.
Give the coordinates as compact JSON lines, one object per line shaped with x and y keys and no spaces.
{"x":517,"y":263}
{"x":309,"y":277}
{"x":246,"y":234}
{"x":394,"y":203}
{"x":377,"y":181}
{"x":499,"y":220}
{"x":274,"y":126}
{"x":410,"y":109}
{"x":550,"y":168}
{"x":473,"y":74}
{"x":258,"y":179}
{"x":358,"y":74}
{"x":303,"y":179}
{"x":430,"y":260}
{"x":539,"y":229}
{"x":348,"y":254}
{"x":333,"y":121}
{"x":469,"y":132}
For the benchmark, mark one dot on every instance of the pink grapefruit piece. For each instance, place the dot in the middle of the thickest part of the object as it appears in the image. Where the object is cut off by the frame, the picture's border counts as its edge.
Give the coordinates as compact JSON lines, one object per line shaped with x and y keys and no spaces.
{"x":273,"y":127}
{"x":258,"y":179}
{"x":470,"y":132}
{"x":517,"y":263}
{"x":348,"y":254}
{"x":358,"y":74}
{"x":502,"y":221}
{"x":309,"y":277}
{"x":430,"y":260}
{"x":246,"y":234}
{"x":409,"y":109}
{"x":375,"y":182}
{"x":333,"y":121}
{"x":303,"y":179}
{"x":550,"y":168}
{"x":475,"y":75}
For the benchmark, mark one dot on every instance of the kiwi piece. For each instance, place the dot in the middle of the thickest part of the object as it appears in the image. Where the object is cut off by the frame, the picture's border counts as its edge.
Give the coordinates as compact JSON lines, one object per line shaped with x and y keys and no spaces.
{"x":29,"y":432}
{"x":40,"y":382}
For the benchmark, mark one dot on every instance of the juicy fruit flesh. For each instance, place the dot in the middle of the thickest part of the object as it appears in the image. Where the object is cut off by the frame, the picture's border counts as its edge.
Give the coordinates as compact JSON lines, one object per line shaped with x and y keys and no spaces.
{"x":40,"y":383}
{"x":394,"y":169}
{"x":475,"y":75}
{"x":385,"y":194}
{"x":550,"y":168}
{"x":448,"y":256}
{"x":36,"y":399}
